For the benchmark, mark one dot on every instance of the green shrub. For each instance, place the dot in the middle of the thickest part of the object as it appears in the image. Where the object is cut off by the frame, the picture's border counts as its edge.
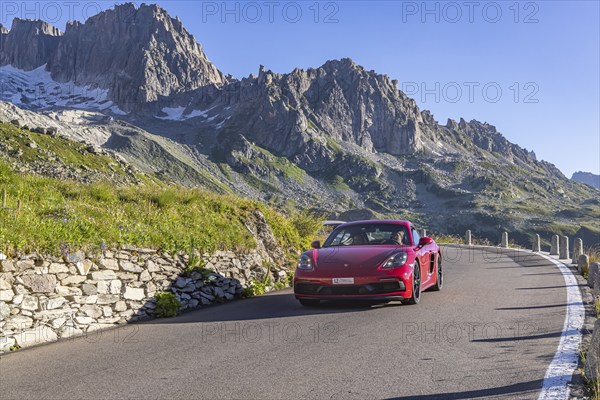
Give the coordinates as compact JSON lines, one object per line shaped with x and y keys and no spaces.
{"x":307,"y":225}
{"x":167,"y":305}
{"x":256,"y":287}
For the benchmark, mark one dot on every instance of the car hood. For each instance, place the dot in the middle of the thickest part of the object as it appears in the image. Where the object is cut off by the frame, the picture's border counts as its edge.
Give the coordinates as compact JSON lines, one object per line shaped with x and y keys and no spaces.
{"x":357,"y":259}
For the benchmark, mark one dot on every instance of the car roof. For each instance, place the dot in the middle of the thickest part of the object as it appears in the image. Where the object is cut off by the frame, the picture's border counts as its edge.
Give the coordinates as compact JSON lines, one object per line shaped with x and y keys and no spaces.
{"x":378,"y":221}
{"x":333,"y":223}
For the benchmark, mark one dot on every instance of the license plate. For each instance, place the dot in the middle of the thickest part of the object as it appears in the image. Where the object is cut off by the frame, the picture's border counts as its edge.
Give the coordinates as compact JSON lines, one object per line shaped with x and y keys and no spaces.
{"x":343,"y":281}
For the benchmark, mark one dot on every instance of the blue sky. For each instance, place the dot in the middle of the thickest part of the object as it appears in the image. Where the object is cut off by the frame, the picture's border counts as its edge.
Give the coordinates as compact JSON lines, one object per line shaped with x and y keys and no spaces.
{"x":530,"y":68}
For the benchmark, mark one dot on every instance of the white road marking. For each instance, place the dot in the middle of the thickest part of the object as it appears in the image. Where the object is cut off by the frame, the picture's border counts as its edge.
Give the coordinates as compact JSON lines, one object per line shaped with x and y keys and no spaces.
{"x":566,"y":357}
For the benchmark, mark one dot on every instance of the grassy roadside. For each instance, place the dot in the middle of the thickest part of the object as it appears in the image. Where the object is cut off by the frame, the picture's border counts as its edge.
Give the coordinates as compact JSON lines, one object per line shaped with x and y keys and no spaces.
{"x":49,"y":215}
{"x":592,"y":385}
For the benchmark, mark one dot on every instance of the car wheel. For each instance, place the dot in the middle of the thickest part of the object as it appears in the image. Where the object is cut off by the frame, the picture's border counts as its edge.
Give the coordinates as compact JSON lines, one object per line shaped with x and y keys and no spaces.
{"x":416,"y":285}
{"x":439,"y":281}
{"x":309,"y":302}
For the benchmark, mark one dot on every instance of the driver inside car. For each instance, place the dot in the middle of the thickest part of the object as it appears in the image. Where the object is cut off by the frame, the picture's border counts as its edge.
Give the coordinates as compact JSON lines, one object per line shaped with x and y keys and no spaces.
{"x":358,"y":239}
{"x":400,"y":237}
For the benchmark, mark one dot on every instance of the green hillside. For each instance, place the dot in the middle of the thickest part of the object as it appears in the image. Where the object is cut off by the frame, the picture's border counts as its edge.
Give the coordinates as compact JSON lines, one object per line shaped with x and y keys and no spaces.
{"x":52,"y":214}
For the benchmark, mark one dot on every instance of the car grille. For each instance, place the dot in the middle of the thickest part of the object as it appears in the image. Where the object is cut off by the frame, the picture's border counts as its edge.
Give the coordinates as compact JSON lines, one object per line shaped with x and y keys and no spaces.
{"x":371,"y":288}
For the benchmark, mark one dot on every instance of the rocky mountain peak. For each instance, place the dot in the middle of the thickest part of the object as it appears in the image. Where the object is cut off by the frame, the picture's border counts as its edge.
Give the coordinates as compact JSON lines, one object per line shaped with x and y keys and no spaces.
{"x":31,"y":27}
{"x":140,"y":54}
{"x":340,"y":100}
{"x":28,"y":44}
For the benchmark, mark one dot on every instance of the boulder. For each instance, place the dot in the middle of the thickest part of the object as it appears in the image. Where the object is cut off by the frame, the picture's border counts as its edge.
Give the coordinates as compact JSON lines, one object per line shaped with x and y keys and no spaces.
{"x":40,"y":283}
{"x":92,"y":311}
{"x":145,"y":276}
{"x":83,"y":267}
{"x":89,"y":289}
{"x":4,"y":310}
{"x":120,"y":306}
{"x":52,"y":131}
{"x":73,"y":280}
{"x":68,"y":291}
{"x":107,"y":299}
{"x":6,"y":281}
{"x":105,"y":275}
{"x":130,"y":267}
{"x":56,"y":268}
{"x":109,"y":263}
{"x":7,"y":295}
{"x":24,"y":265}
{"x":55,"y":302}
{"x":41,"y":334}
{"x":18,"y":322}
{"x":133,"y":293}
{"x":30,"y":303}
{"x":76,"y":257}
{"x":7,"y":266}
{"x":115,"y":286}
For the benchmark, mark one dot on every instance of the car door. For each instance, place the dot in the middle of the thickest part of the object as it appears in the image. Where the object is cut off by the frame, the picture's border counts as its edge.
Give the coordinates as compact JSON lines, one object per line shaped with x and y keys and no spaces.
{"x":424,"y":255}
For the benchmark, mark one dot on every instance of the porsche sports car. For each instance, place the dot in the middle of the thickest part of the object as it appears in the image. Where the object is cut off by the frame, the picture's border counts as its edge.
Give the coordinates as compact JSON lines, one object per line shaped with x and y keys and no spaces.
{"x":371,"y":260}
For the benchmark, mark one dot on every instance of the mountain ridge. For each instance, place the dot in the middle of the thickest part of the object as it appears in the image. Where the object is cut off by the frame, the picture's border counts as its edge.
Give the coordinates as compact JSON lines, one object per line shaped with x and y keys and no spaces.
{"x":335,"y":138}
{"x":588,"y":178}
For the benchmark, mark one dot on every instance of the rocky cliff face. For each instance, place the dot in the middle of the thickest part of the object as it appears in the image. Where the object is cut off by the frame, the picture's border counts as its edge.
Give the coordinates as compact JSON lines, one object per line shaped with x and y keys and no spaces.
{"x":140,"y":54}
{"x":28,"y":44}
{"x":292,"y":113}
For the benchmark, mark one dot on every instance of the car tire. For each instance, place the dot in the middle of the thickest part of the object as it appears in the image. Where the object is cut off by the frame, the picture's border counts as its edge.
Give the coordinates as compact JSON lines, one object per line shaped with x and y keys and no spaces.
{"x":416,"y":281}
{"x":439,"y":279}
{"x":309,"y":302}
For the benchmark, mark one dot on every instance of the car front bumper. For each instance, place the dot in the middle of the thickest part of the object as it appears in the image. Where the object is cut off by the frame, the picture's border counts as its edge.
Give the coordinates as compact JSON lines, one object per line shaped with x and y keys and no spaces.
{"x":323,"y":289}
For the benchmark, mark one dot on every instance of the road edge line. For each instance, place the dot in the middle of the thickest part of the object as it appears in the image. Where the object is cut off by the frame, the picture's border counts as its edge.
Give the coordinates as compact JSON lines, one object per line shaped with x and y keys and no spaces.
{"x":566,"y":358}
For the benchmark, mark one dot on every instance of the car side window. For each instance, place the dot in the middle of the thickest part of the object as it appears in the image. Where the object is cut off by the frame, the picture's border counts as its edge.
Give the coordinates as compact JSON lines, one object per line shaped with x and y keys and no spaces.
{"x":415,"y":235}
{"x":341,"y":238}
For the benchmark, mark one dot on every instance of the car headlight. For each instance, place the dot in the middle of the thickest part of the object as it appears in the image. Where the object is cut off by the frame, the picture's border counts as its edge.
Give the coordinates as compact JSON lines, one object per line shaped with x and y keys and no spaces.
{"x":395,"y":261}
{"x":305,"y":262}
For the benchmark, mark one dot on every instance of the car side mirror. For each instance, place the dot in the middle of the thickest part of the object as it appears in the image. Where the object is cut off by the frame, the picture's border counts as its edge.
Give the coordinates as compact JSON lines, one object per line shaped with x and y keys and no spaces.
{"x":425,"y":241}
{"x":316,"y":244}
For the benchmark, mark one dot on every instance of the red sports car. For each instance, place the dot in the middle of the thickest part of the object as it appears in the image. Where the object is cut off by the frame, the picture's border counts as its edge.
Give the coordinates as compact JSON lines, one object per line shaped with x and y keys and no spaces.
{"x":370,"y":260}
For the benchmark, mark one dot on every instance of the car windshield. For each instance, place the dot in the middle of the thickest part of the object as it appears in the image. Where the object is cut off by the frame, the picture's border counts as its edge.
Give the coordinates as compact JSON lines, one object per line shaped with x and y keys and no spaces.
{"x":368,"y":234}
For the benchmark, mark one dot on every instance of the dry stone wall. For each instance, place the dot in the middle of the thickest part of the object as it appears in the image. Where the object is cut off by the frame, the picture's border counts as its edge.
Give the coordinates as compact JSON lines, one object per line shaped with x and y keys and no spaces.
{"x":48,"y":298}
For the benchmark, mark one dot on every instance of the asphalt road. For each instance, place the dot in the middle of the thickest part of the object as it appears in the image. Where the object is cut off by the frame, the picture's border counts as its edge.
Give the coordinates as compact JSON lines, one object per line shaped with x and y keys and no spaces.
{"x":491,"y":333}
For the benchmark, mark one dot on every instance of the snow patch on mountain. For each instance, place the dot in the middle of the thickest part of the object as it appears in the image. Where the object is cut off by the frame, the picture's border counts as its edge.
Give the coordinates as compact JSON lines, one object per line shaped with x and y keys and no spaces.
{"x":177,"y":114}
{"x":36,"y":89}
